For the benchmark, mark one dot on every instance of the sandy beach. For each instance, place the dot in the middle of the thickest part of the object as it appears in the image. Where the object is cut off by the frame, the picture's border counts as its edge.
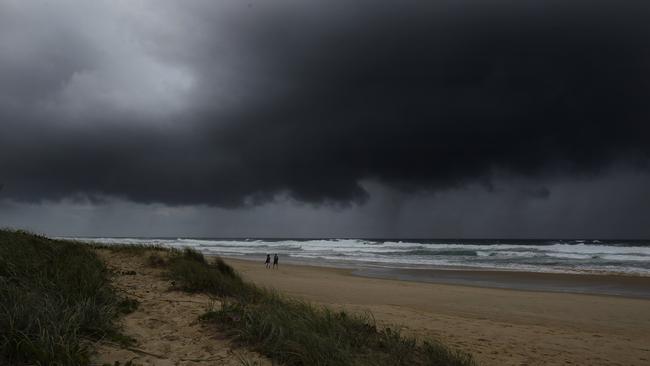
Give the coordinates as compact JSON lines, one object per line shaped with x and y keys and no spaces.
{"x":165,"y":326}
{"x":498,"y":326}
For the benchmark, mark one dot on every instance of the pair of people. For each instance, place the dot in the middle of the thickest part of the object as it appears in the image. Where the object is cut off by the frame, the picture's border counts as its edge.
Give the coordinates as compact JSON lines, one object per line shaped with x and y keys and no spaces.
{"x":275,"y":261}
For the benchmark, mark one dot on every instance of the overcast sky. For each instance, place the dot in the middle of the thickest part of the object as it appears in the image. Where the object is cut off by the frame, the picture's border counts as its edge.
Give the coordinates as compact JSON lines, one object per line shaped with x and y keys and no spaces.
{"x":338,"y":118}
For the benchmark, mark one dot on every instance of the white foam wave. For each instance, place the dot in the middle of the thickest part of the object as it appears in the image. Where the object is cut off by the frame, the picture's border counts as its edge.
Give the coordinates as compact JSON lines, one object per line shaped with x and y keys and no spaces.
{"x":554,"y":257}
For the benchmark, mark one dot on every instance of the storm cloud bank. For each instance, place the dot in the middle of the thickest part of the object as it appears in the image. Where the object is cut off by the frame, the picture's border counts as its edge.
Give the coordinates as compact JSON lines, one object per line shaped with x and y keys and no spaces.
{"x":232,"y":103}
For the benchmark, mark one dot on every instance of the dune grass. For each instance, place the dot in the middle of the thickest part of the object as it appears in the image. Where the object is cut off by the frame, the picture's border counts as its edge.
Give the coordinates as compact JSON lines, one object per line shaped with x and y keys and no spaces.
{"x":295,"y":332}
{"x":136,"y":249}
{"x":194,"y":274}
{"x":55,"y":298}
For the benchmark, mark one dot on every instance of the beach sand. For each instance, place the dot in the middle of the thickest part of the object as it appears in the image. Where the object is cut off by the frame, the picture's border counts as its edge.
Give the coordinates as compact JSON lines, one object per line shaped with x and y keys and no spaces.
{"x":498,"y":326}
{"x":165,"y":326}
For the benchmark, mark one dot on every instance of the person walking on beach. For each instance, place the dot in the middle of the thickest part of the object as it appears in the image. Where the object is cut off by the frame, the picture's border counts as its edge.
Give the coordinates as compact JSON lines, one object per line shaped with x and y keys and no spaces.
{"x":268,"y":261}
{"x":275,"y":261}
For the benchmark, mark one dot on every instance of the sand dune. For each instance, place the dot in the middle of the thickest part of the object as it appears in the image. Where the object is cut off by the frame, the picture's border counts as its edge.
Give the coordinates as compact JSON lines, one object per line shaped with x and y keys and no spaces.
{"x":165,"y":325}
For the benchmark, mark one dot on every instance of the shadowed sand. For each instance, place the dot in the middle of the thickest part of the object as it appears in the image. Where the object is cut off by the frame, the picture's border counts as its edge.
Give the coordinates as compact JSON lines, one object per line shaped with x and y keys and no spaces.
{"x":594,"y":284}
{"x":498,"y":326}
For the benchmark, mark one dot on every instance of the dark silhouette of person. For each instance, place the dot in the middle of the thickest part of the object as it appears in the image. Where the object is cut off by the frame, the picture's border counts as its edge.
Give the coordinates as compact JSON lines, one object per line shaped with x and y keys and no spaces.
{"x":275,"y":260}
{"x":268,"y":261}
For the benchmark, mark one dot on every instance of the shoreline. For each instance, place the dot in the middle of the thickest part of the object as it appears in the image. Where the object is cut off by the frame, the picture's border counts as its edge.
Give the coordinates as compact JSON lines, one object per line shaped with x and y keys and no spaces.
{"x":605,"y":284}
{"x":608,"y":257}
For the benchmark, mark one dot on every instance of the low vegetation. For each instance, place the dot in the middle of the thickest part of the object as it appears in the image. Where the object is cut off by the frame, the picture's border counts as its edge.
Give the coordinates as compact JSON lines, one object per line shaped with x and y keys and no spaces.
{"x":193,"y":273}
{"x":295,"y":332}
{"x":137,"y":249}
{"x":55,"y":298}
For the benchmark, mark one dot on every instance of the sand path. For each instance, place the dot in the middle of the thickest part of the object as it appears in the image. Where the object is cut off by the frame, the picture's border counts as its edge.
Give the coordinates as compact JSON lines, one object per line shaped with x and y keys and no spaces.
{"x":165,"y":325}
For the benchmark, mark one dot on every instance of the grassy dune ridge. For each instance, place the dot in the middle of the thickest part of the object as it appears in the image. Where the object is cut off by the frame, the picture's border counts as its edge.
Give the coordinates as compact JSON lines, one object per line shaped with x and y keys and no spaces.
{"x":295,"y":332}
{"x":55,"y":299}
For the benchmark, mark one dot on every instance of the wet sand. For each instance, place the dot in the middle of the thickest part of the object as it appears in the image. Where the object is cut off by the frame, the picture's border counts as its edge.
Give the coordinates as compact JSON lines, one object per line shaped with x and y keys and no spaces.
{"x":499,"y":326}
{"x":596,"y":284}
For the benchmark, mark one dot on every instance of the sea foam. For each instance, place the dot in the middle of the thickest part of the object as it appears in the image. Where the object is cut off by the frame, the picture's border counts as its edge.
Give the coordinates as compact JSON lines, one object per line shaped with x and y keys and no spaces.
{"x":558,"y":256}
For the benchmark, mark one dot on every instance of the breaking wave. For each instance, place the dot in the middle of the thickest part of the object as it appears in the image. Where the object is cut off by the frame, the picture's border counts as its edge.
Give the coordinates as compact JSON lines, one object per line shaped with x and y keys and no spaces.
{"x":563,"y":256}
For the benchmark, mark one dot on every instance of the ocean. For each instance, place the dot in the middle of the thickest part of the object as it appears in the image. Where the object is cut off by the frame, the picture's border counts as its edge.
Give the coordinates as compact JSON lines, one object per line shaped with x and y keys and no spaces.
{"x":627,"y":257}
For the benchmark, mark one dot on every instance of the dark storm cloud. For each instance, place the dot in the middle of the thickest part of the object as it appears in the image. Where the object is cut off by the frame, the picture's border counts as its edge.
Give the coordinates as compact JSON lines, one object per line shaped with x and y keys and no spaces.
{"x":310,"y":99}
